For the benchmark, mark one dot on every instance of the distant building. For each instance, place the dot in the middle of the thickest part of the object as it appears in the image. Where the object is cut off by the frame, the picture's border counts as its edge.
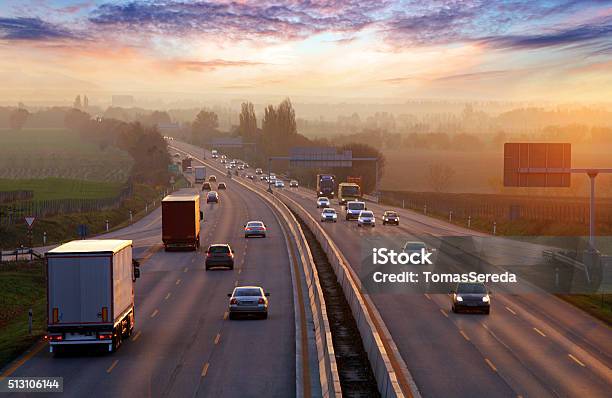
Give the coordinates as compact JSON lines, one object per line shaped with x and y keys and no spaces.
{"x":123,"y":100}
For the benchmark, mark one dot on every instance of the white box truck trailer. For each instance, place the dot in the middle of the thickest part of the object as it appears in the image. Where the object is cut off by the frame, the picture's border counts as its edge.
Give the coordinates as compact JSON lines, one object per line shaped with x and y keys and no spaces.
{"x":200,"y":174}
{"x":90,"y":293}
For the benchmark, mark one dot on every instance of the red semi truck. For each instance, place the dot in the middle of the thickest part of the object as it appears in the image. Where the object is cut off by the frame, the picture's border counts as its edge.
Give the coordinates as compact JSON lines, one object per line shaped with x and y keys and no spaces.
{"x":181,"y":218}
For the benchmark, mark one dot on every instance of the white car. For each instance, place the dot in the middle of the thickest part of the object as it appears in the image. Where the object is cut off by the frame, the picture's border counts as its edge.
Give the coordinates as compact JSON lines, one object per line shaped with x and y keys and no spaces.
{"x":279,"y":184}
{"x":322,"y":202}
{"x":366,"y":218}
{"x":258,"y":171}
{"x":417,"y":247}
{"x":293,"y":184}
{"x":329,"y":214}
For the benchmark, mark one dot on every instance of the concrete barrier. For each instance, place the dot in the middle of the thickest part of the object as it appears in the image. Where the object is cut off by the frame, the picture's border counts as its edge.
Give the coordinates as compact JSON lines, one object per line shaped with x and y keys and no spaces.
{"x":392,"y":376}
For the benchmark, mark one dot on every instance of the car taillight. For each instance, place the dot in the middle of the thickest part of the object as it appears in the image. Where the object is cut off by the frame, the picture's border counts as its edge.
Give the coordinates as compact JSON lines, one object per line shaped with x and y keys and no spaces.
{"x":208,"y":254}
{"x":233,"y":301}
{"x":105,"y":336}
{"x":54,"y":337}
{"x":261,"y":301}
{"x":247,"y":229}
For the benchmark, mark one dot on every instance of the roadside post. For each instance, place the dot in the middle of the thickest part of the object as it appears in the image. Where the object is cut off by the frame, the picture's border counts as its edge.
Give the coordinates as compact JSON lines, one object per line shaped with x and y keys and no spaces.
{"x":30,"y":322}
{"x":30,"y":221}
{"x":44,"y":238}
{"x":106,"y":225}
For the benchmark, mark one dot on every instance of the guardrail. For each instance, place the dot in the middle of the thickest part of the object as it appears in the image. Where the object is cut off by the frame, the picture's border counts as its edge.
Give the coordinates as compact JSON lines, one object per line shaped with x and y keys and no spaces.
{"x":326,"y":359}
{"x":390,"y":371}
{"x":19,"y":254}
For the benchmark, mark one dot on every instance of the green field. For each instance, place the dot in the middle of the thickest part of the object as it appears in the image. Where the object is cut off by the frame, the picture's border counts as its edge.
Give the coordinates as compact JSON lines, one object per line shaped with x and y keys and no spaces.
{"x":61,"y":188}
{"x":41,"y":153}
{"x":22,"y":286}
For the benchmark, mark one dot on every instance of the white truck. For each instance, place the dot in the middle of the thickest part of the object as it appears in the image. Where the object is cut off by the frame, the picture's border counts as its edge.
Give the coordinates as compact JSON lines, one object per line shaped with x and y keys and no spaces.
{"x":353,"y":208}
{"x":199,"y":174}
{"x":90,"y":293}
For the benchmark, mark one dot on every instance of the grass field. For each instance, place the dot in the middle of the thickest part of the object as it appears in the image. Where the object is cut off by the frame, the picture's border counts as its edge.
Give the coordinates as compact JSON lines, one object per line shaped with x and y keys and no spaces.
{"x":62,"y":188}
{"x":41,"y":153}
{"x":22,"y":286}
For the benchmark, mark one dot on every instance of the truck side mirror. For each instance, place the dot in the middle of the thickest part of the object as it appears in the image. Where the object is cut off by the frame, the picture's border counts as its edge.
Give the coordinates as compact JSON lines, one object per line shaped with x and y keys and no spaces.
{"x":229,"y":295}
{"x":201,"y":215}
{"x":136,"y":272}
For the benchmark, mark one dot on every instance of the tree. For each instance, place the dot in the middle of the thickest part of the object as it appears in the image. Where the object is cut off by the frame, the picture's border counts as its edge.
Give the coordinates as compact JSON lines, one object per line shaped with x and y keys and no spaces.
{"x":279,"y":128}
{"x":77,"y":102}
{"x":85,"y":102}
{"x":18,"y":118}
{"x":156,"y":118}
{"x":248,"y":120}
{"x":76,"y":119}
{"x":205,"y":125}
{"x":441,"y":176}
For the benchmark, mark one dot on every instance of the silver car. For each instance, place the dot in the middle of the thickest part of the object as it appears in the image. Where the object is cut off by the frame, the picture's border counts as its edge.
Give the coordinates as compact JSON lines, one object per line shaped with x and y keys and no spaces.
{"x":254,"y":228}
{"x":323,"y":202}
{"x":248,"y":300}
{"x":366,"y":218}
{"x":329,"y":214}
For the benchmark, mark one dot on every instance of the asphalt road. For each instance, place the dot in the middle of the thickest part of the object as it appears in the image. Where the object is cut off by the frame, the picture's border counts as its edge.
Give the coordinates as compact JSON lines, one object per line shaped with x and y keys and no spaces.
{"x":531,"y":344}
{"x":184,"y":345}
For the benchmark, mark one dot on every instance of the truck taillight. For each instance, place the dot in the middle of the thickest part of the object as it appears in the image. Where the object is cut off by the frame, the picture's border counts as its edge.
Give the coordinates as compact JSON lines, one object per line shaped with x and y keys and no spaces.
{"x":233,"y":301}
{"x":54,"y":337}
{"x":261,"y":301}
{"x":105,"y":336}
{"x":104,"y":314}
{"x":208,"y":254}
{"x":55,"y":315}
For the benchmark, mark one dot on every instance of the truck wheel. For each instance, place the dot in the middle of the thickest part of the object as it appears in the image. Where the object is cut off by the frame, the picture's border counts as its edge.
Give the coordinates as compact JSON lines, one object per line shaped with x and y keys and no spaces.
{"x":232,"y":316}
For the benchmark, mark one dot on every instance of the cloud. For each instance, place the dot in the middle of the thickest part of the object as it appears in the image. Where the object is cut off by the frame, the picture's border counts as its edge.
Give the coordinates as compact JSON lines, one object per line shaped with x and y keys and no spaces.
{"x":596,"y":33}
{"x":237,"y":20}
{"x":198,"y":66}
{"x":32,"y":29}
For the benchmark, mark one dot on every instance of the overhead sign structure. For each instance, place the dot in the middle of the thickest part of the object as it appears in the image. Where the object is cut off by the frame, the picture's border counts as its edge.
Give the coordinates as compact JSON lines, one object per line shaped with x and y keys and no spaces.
{"x":230,"y":142}
{"x":30,"y":220}
{"x":537,"y":164}
{"x":320,"y":157}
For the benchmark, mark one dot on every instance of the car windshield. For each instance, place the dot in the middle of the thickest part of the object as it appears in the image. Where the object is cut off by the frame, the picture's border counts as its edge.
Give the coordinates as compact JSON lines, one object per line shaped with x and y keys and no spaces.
{"x":356,"y":206}
{"x":350,"y":190}
{"x":367,"y":214}
{"x":415,"y":246}
{"x":219,"y":249}
{"x":255,"y":224}
{"x":323,"y":200}
{"x":471,"y":288}
{"x":247,"y":292}
{"x":329,"y":211}
{"x":221,"y":184}
{"x":391,"y":214}
{"x":212,"y":194}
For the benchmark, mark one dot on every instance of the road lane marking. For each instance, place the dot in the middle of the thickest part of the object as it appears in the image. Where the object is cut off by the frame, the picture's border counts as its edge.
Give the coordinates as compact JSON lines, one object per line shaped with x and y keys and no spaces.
{"x":204,"y":370}
{"x":490,"y":364}
{"x":217,"y":338}
{"x":539,"y":332}
{"x":511,"y":310}
{"x":192,"y":260}
{"x":225,"y":314}
{"x":465,"y":336}
{"x":443,"y":312}
{"x":178,"y":281}
{"x":17,"y":364}
{"x":235,"y":283}
{"x":239,"y":271}
{"x":578,"y":361}
{"x":484,"y":325}
{"x":185,"y":269}
{"x":428,"y":297}
{"x":168,"y":296}
{"x":136,"y":336}
{"x":154,"y":313}
{"x":110,"y":369}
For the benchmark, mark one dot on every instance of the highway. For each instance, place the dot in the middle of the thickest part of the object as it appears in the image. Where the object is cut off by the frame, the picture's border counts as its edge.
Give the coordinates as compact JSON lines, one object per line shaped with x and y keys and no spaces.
{"x":184,"y":345}
{"x":531,"y":345}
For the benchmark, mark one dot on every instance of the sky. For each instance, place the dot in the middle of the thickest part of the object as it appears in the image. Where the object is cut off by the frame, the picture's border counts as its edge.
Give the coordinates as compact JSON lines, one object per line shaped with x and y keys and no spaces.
{"x":516,"y":50}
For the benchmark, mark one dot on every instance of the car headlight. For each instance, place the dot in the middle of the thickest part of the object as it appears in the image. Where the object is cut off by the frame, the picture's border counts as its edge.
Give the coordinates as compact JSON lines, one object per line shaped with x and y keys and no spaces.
{"x":459,"y":298}
{"x":485,"y":299}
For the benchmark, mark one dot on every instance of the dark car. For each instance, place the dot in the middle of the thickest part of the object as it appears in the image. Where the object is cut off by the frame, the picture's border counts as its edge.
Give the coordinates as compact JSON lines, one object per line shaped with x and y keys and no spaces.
{"x":222,"y":186}
{"x":206,"y":186}
{"x":212,"y":178}
{"x":390,"y":217}
{"x":212,"y":197}
{"x":219,"y":255}
{"x":471,"y":297}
